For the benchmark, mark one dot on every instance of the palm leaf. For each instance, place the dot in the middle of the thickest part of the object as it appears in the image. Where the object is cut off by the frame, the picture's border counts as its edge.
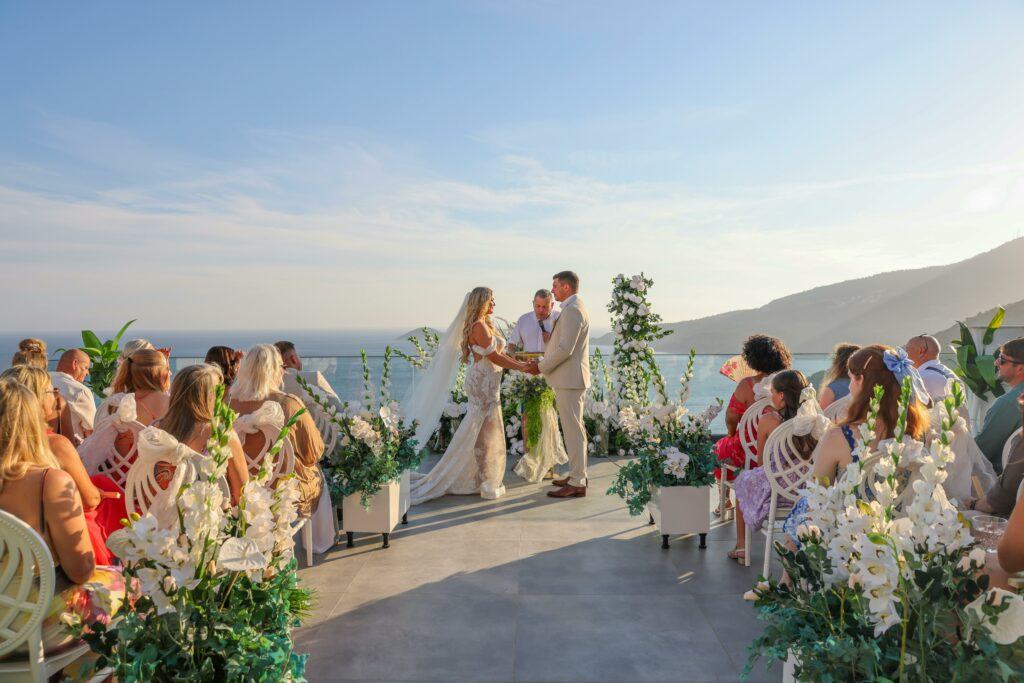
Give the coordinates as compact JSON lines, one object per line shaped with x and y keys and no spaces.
{"x":993,"y":325}
{"x":987,"y":367}
{"x":90,"y":340}
{"x":117,"y":337}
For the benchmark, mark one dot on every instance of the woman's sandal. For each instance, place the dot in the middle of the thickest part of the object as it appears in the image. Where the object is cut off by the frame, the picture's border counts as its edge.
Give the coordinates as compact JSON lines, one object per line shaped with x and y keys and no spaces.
{"x":737,"y":554}
{"x":728,"y":506}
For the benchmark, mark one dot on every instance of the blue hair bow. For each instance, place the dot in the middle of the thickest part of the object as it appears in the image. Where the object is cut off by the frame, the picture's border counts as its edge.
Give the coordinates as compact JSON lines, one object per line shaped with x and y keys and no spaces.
{"x":900,"y":365}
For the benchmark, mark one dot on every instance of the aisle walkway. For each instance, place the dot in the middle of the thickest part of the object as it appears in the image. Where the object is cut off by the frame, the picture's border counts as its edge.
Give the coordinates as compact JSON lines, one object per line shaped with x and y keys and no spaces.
{"x":528,"y":588}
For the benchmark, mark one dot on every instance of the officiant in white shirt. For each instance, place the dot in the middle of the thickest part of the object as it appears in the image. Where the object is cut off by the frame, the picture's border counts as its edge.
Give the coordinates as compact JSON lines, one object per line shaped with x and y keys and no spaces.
{"x":533,"y":329}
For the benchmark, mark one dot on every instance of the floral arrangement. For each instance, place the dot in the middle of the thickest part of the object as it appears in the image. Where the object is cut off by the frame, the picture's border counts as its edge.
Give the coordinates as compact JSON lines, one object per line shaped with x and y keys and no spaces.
{"x":674,"y":448}
{"x":214,"y":597}
{"x":528,"y":395}
{"x":636,"y":326}
{"x":887,"y":582}
{"x":375,"y":446}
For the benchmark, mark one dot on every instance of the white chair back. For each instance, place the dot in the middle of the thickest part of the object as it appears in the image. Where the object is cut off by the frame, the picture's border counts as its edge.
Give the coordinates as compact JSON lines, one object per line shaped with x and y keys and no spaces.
{"x":747,"y":428}
{"x":116,"y":464}
{"x":24,"y":598}
{"x":1010,"y":444}
{"x":266,"y":420}
{"x":787,"y":471}
{"x":836,"y":411}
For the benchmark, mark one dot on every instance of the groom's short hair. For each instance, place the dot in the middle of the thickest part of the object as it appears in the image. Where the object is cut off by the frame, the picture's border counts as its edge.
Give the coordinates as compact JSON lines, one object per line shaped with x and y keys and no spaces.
{"x":543,"y":294}
{"x":568,"y":277}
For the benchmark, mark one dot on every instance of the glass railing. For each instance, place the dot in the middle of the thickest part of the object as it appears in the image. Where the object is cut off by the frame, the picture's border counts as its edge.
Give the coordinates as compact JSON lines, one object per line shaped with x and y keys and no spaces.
{"x":345,"y":374}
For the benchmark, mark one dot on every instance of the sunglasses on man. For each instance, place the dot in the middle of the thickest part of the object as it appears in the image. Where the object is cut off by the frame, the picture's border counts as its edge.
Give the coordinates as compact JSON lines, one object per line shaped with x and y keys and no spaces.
{"x":1004,"y":360}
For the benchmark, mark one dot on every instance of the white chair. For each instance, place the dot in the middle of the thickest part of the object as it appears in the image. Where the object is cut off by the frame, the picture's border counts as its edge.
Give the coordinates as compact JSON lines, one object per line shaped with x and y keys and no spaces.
{"x":143,"y":494}
{"x":1010,"y":444}
{"x":787,"y":472}
{"x":268,"y":422}
{"x":26,"y":591}
{"x":836,"y":410}
{"x":747,"y":431}
{"x":116,"y":465}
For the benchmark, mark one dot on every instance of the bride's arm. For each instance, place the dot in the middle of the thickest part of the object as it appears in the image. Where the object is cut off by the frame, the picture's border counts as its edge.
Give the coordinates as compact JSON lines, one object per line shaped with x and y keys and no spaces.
{"x":482,"y":338}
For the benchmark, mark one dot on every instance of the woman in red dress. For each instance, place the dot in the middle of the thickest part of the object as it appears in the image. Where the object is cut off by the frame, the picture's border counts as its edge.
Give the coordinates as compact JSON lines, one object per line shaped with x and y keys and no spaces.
{"x":765,"y":355}
{"x":101,"y":500}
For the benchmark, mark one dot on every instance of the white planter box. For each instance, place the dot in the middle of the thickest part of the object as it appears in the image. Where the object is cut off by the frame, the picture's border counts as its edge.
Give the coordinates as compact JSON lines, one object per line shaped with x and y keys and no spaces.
{"x":681,"y":510}
{"x":381,"y":518}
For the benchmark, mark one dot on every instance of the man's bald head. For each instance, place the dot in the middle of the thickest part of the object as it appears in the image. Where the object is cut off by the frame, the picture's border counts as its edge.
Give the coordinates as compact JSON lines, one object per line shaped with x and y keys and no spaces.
{"x":74,"y":362}
{"x":922,"y":348}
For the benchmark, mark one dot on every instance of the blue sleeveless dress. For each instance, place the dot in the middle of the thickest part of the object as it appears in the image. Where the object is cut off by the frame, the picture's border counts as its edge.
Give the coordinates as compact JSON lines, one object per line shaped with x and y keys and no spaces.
{"x":798,"y":515}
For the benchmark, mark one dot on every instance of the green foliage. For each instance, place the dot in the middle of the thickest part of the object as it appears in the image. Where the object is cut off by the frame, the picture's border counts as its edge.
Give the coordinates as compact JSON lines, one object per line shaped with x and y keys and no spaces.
{"x":374,"y":446}
{"x":635,"y":480}
{"x":103,"y":355}
{"x":635,"y":326}
{"x":530,"y":396}
{"x":977,"y":368}
{"x":425,"y":349}
{"x":222,"y":625}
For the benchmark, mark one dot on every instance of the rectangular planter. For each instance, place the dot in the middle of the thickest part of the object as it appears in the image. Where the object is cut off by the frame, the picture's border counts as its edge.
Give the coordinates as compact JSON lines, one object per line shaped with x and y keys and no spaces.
{"x":681,"y":510}
{"x":382,"y":516}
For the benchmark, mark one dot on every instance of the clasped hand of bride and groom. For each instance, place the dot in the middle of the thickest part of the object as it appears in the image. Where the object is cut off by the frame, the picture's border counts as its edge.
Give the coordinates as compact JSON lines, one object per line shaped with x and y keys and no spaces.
{"x":474,"y":462}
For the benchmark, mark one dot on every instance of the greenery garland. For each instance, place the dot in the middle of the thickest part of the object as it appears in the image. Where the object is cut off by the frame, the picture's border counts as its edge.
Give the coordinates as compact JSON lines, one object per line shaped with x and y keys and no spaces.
{"x":533,"y":407}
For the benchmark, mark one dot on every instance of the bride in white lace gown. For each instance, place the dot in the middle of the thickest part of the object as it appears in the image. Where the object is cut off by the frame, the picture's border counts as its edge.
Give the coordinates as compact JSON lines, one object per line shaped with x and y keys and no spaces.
{"x":475,"y":459}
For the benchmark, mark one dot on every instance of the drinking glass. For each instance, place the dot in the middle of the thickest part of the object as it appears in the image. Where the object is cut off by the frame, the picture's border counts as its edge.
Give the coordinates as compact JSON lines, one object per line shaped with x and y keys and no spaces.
{"x":987,"y":530}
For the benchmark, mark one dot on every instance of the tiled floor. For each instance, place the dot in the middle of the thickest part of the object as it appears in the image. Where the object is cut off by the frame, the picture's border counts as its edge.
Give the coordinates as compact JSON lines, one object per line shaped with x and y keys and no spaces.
{"x":528,"y":588}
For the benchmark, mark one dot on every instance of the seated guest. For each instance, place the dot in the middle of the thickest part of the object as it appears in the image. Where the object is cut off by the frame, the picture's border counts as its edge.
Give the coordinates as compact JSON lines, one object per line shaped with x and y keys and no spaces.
{"x":1002,"y":497}
{"x":227,"y":359}
{"x":31,"y":352}
{"x":765,"y":356}
{"x":259,"y":376}
{"x":1003,"y":417}
{"x":72,"y":369}
{"x":871,"y":366}
{"x":104,"y":508}
{"x":133,"y":345}
{"x":836,"y":384}
{"x":923,"y":351}
{"x":533,"y":329}
{"x":142,"y":380}
{"x":188,"y":419}
{"x":789,"y":390}
{"x":293,"y":369}
{"x":34,"y":489}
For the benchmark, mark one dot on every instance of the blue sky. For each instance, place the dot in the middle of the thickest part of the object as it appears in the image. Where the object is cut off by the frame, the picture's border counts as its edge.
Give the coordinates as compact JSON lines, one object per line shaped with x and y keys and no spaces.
{"x":231,"y":165}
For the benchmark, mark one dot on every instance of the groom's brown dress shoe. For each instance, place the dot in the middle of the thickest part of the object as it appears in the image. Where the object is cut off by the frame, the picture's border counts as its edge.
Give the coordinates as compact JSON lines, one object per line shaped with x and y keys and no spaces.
{"x":560,"y":483}
{"x":568,"y":491}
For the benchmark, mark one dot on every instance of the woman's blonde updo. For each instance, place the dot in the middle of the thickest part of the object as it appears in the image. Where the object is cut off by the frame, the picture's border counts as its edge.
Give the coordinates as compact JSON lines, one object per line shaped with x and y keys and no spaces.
{"x":476,"y":311}
{"x":31,"y":352}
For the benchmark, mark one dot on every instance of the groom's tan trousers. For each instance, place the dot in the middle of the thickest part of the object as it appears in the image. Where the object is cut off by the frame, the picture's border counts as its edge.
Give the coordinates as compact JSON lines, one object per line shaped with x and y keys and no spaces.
{"x":570,"y":413}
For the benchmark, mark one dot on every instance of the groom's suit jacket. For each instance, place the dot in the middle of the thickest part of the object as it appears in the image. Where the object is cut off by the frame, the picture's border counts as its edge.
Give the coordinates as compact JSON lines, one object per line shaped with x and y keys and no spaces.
{"x":566,"y":362}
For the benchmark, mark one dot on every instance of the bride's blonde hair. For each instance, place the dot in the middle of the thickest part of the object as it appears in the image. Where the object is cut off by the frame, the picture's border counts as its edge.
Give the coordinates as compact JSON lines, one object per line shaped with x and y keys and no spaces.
{"x":476,"y":311}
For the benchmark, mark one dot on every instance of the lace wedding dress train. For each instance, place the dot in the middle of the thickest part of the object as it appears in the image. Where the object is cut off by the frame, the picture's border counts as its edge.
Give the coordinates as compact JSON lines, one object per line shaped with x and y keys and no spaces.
{"x":475,"y":459}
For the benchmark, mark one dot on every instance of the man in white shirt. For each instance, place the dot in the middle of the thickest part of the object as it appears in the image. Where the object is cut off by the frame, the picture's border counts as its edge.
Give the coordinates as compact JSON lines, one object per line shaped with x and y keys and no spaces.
{"x":72,"y":369}
{"x":533,"y":329}
{"x":923,"y":351}
{"x":293,"y":368}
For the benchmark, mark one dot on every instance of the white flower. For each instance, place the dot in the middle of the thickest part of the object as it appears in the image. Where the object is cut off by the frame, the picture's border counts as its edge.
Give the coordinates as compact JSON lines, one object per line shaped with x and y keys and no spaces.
{"x":1008,"y":626}
{"x":240,"y":555}
{"x":636,"y":328}
{"x":972,"y":560}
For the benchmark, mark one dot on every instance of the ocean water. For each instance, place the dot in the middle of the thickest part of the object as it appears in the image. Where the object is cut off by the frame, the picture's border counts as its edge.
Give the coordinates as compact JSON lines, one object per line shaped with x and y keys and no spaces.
{"x":335,"y":353}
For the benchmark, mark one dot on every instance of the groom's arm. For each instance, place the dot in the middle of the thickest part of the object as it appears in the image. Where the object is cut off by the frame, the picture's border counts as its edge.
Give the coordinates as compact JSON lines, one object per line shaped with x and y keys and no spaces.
{"x":570,"y":327}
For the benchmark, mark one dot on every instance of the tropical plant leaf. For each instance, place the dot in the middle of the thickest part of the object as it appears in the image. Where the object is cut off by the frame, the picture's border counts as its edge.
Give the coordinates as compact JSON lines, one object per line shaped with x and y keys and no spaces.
{"x":966,"y":338}
{"x":987,"y":367}
{"x":117,"y":337}
{"x":90,"y":340}
{"x":993,"y":325}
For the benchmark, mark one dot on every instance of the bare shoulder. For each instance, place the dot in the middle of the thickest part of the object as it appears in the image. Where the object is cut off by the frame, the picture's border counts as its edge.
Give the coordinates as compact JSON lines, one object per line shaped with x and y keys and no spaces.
{"x":58,"y":485}
{"x":769,"y":420}
{"x":479,"y":334}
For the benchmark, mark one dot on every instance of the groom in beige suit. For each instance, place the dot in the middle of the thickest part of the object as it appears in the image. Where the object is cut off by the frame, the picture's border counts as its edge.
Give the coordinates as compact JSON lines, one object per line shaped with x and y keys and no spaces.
{"x":566,"y":367}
